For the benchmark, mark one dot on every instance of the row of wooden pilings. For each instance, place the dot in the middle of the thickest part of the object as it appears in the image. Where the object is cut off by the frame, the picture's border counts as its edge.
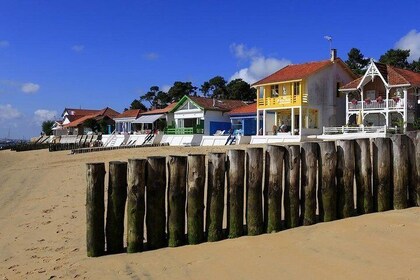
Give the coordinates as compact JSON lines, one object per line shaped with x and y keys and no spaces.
{"x":180,"y":204}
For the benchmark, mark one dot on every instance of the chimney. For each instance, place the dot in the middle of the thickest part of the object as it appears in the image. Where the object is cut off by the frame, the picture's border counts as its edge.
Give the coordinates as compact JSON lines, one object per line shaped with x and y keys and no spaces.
{"x":333,"y":54}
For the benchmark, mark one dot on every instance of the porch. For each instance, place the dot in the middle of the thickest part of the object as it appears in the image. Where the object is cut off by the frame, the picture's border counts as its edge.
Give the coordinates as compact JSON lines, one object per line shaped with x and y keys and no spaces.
{"x":376,"y":105}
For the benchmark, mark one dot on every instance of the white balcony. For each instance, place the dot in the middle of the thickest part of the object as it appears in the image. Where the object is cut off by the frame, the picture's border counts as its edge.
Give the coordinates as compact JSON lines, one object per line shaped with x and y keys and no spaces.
{"x":374,"y":105}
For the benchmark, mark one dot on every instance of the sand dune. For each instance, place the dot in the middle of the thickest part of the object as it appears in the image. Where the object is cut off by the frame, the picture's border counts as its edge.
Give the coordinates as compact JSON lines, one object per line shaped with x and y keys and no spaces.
{"x":42,"y":234}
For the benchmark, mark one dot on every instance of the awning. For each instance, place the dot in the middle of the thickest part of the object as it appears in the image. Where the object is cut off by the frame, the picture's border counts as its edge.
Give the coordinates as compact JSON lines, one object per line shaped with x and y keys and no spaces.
{"x":147,"y":118}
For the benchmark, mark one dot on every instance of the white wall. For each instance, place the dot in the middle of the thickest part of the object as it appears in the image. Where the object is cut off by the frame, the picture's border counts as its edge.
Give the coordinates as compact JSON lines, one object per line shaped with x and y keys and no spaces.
{"x":322,"y":94}
{"x":214,"y":116}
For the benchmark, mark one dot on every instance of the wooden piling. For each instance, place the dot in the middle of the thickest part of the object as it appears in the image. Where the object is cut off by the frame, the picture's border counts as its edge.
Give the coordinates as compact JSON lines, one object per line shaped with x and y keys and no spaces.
{"x":328,"y":164}
{"x":382,"y":174}
{"x":155,"y":202}
{"x":95,"y":209}
{"x":136,"y":204}
{"x":195,"y":202}
{"x":345,"y":178}
{"x":292,"y":158}
{"x":254,"y":176}
{"x":363,"y":174}
{"x":413,"y":156}
{"x":400,"y":169}
{"x":309,"y":155}
{"x":117,"y":196}
{"x":177,"y":167}
{"x":215,"y":196}
{"x":235,"y":184}
{"x":274,"y":156}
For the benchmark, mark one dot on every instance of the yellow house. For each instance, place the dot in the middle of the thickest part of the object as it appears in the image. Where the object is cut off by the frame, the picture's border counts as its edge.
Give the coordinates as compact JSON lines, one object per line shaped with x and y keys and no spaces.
{"x":302,"y":98}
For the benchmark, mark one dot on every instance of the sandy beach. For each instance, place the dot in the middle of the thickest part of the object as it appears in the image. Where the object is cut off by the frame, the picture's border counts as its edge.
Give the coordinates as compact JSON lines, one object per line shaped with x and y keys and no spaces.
{"x":42,"y":234}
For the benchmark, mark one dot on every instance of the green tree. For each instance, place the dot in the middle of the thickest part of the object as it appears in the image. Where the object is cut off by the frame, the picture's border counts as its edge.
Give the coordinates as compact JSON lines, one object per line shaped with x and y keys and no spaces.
{"x":215,"y":88}
{"x":179,"y":89}
{"x":92,"y":124}
{"x":397,"y":58}
{"x":156,"y":97}
{"x":239,"y":89}
{"x":136,"y":104}
{"x":356,"y":61}
{"x":415,"y":66}
{"x":47,"y":127}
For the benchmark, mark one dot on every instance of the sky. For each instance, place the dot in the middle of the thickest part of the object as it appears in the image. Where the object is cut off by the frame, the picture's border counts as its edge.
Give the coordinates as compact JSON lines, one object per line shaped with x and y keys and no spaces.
{"x":96,"y":54}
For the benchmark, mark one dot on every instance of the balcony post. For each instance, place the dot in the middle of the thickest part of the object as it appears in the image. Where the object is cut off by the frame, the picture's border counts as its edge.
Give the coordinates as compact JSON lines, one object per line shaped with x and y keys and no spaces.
{"x":363,"y":106}
{"x":292,"y":121}
{"x":258,"y":121}
{"x":347,"y":108}
{"x":405,"y":109}
{"x":264,"y":120}
{"x":387,"y":106}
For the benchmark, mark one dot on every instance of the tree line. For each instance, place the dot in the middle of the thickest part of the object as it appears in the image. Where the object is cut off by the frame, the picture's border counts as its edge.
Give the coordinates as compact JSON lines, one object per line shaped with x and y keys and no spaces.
{"x":217,"y":87}
{"x":358,"y":63}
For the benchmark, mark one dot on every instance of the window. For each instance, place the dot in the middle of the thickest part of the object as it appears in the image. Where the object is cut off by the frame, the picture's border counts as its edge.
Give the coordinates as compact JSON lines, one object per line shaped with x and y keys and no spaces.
{"x":296,"y":88}
{"x":261,"y":92}
{"x":275,"y":91}
{"x":370,"y":94}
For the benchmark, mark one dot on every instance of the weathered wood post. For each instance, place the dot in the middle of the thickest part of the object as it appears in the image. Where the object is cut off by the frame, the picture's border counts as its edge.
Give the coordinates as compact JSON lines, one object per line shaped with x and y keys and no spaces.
{"x":400,"y":170}
{"x":413,"y":156}
{"x":363,"y":173}
{"x":95,"y":209}
{"x":274,"y":156}
{"x":235,"y":183}
{"x":254,"y":176}
{"x":195,"y":202}
{"x":328,"y":164}
{"x":382,"y":174}
{"x":117,"y":196}
{"x":177,"y":167}
{"x":215,"y":196}
{"x":292,"y":158}
{"x":135,"y":204}
{"x":345,"y":178}
{"x":155,"y":202}
{"x":309,"y":155}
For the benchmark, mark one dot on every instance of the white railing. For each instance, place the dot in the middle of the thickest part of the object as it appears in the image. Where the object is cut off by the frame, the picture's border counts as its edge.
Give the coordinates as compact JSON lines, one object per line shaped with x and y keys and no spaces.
{"x":358,"y":129}
{"x":375,"y":105}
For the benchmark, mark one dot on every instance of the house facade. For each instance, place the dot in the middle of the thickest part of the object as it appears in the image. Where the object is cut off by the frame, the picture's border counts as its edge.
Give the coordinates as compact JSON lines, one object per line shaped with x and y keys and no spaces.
{"x":302,"y":98}
{"x":78,"y":127}
{"x":124,"y":121}
{"x":385,"y":96}
{"x":157,"y":119}
{"x":244,"y":120}
{"x":200,"y":115}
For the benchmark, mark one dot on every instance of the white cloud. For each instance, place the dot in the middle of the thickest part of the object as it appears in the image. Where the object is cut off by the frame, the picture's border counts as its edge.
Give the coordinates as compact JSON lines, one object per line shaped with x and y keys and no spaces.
{"x":242,"y":52}
{"x":78,"y":48}
{"x":151,"y":56}
{"x":260,"y":66}
{"x":4,"y":44}
{"x":30,"y":87}
{"x":41,"y":115}
{"x":7,"y":112}
{"x":411,"y":42}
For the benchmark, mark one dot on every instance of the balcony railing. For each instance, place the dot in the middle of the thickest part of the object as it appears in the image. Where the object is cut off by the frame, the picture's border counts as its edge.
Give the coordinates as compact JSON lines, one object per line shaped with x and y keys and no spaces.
{"x":359,"y":129}
{"x":184,"y":130}
{"x":375,"y":105}
{"x":283,"y":100}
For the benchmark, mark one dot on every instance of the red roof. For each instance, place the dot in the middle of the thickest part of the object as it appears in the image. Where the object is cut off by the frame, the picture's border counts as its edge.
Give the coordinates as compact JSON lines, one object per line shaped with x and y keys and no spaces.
{"x":134,"y":113}
{"x":80,"y":112}
{"x":161,"y":111}
{"x":393,"y":75}
{"x":217,"y":104}
{"x":106,"y":112}
{"x":244,"y":110}
{"x":295,"y":72}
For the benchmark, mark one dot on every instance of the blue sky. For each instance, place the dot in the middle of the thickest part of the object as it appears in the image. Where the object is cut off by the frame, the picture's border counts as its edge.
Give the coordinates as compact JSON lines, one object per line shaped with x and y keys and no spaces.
{"x":93,"y":54}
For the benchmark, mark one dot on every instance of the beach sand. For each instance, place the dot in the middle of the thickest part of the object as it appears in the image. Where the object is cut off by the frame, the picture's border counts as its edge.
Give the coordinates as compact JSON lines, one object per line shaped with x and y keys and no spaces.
{"x":42,"y":234}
